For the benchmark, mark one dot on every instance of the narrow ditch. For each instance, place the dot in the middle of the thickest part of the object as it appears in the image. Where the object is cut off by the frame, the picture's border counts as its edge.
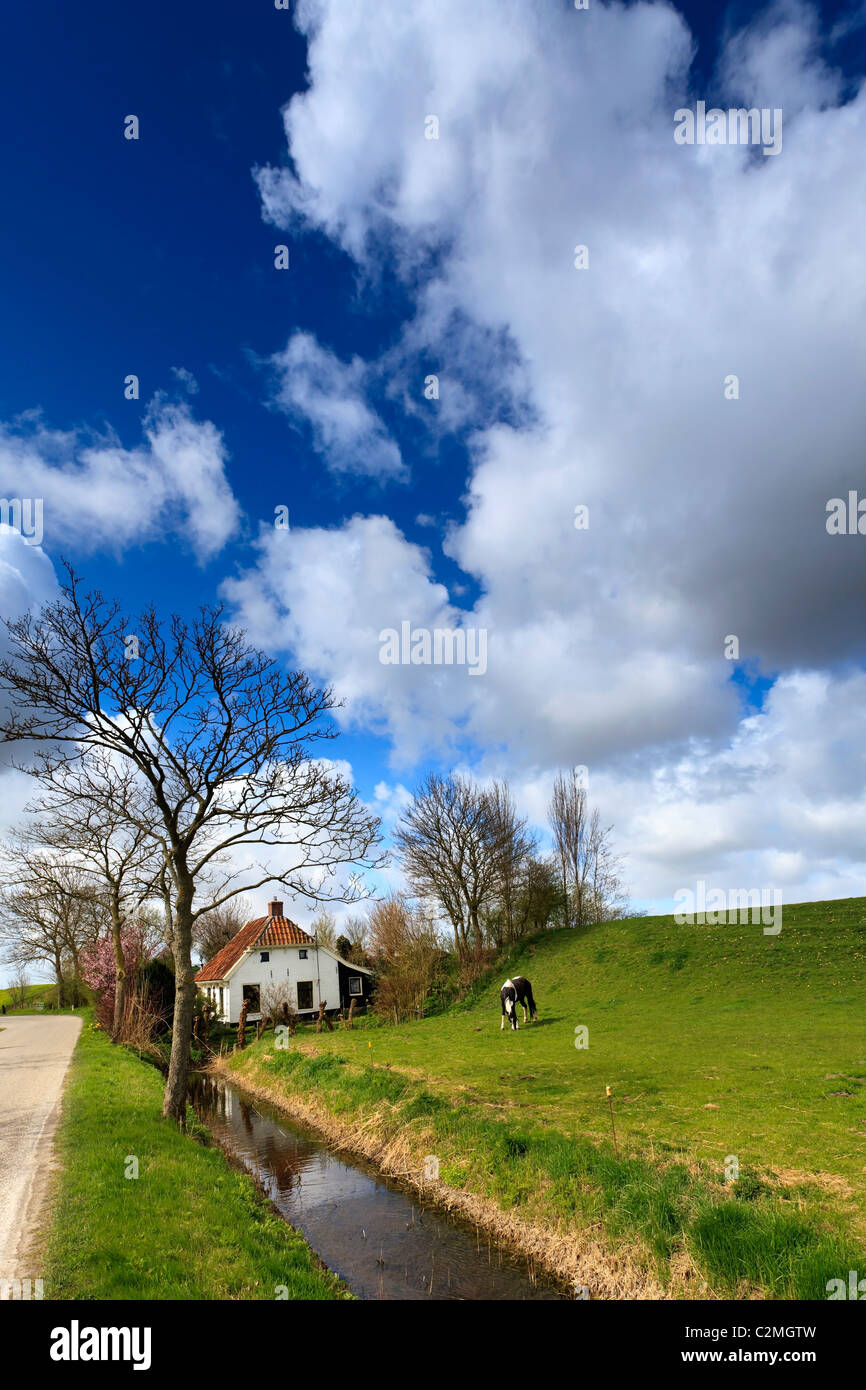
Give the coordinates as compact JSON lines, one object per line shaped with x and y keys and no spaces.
{"x":377,"y":1237}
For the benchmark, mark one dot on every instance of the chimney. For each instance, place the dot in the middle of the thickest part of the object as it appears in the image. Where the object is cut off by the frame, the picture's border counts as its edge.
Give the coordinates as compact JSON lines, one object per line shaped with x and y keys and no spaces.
{"x":275,"y":908}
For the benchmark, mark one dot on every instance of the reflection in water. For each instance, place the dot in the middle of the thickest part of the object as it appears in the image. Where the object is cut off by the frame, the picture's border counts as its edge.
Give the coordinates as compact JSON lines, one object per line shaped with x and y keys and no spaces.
{"x":361,"y":1225}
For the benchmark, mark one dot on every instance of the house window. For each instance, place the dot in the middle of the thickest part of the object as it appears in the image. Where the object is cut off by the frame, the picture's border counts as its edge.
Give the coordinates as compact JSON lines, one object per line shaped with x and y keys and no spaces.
{"x":305,"y":994}
{"x":264,"y":955}
{"x":302,"y":955}
{"x":355,"y":985}
{"x":251,"y":997}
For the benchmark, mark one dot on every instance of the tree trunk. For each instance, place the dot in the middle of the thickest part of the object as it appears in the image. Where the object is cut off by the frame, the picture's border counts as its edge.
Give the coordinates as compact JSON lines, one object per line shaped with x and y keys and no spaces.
{"x":58,"y":971}
{"x":76,"y":979}
{"x":174,"y":1100}
{"x":119,"y":974}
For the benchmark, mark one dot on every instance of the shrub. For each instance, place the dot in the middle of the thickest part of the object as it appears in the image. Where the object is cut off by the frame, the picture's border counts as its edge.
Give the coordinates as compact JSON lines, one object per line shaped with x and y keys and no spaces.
{"x":156,"y":982}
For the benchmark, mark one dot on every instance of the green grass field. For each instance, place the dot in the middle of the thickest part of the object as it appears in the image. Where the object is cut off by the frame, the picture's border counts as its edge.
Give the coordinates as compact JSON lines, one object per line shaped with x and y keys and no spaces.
{"x":39,"y":999}
{"x":717,"y":1042}
{"x":34,"y":994}
{"x":188,"y":1227}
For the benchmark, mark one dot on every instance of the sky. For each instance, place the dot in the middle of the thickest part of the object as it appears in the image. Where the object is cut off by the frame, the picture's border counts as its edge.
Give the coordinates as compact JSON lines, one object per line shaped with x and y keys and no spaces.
{"x":446,"y":249}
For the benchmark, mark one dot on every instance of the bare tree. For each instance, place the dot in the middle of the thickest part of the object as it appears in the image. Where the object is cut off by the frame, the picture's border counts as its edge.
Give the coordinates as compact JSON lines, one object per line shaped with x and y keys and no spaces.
{"x":540,"y":899}
{"x":463,"y":846}
{"x":447,"y":840}
{"x":88,"y":815}
{"x":587,"y":864}
{"x":219,"y":739}
{"x":47,"y":915}
{"x":217,"y":927}
{"x":511,"y":845}
{"x":406,"y":947}
{"x":608,"y":897}
{"x":19,"y":988}
{"x":352,"y":941}
{"x":277,"y":1002}
{"x":324,"y":929}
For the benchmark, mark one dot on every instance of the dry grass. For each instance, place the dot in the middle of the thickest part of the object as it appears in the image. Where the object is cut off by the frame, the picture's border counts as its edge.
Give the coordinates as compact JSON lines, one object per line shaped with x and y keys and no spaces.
{"x":579,"y":1258}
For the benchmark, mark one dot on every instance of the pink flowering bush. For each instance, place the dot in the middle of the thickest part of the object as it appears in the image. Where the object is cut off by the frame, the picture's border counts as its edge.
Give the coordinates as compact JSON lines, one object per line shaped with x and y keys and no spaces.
{"x":98,"y":970}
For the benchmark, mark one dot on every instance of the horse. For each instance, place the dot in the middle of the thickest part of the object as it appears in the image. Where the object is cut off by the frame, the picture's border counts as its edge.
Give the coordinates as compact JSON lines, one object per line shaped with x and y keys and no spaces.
{"x":512,"y":993}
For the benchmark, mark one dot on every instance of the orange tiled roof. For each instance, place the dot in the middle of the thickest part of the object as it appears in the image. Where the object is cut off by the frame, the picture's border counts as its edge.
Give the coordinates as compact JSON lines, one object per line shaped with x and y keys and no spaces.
{"x":261,"y":931}
{"x":283,"y":932}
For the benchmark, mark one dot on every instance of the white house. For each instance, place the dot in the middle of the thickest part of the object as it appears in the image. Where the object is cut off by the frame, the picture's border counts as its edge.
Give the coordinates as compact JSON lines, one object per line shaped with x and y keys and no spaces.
{"x":273,"y":949}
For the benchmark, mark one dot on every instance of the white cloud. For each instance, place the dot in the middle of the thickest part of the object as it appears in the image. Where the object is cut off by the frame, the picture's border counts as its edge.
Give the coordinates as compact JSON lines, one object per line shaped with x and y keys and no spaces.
{"x":98,"y":494}
{"x":783,"y":806}
{"x":707,"y":515}
{"x":27,"y":577}
{"x":328,"y":594}
{"x":314,"y":386}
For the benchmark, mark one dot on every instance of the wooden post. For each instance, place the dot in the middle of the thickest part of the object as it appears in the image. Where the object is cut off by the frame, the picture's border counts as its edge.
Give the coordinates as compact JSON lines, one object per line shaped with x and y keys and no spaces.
{"x":352,"y":1014}
{"x":323,"y":1018}
{"x":205,"y":1013}
{"x":242,"y":1025}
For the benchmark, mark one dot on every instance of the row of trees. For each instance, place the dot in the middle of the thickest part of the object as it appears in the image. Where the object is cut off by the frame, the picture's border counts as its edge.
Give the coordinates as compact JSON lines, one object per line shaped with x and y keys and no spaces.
{"x":478,"y":883}
{"x":465,"y":849}
{"x":53,"y":914}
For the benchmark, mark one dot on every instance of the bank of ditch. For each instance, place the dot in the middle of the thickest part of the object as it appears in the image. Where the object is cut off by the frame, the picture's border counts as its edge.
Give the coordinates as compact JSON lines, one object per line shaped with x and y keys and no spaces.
{"x":610,"y":1225}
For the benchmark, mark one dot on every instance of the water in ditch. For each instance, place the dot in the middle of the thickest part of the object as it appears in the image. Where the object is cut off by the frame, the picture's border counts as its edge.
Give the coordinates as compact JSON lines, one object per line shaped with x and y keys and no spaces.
{"x":375,"y":1235}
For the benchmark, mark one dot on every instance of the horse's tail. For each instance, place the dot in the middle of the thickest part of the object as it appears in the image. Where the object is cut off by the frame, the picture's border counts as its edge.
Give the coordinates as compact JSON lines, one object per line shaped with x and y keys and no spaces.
{"x":530,"y":1000}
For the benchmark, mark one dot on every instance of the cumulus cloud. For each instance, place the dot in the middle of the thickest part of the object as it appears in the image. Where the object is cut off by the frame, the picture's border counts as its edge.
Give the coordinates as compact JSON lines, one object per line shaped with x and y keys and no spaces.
{"x":97,"y":494}
{"x":314,"y":387}
{"x":706,"y":513}
{"x":328,"y":594}
{"x":784,"y":804}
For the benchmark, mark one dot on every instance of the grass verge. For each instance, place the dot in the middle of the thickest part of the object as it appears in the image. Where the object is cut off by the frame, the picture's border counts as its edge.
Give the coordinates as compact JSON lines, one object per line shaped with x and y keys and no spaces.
{"x":189,"y":1226}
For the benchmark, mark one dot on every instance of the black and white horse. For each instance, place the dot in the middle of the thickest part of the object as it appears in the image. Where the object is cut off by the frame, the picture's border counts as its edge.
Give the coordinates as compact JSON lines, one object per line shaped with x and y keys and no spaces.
{"x":512,"y":993}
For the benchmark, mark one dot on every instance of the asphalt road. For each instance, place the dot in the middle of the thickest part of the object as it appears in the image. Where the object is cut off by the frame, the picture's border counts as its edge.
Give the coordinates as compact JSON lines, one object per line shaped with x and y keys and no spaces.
{"x":34,"y":1056}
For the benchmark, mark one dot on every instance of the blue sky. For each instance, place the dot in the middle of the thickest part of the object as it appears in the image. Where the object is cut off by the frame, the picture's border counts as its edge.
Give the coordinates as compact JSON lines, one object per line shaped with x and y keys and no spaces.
{"x":155,"y":257}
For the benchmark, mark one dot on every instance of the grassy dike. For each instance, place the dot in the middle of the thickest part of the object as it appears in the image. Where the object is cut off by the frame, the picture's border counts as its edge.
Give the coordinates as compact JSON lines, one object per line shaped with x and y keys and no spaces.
{"x":188,"y":1227}
{"x":715,"y":1043}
